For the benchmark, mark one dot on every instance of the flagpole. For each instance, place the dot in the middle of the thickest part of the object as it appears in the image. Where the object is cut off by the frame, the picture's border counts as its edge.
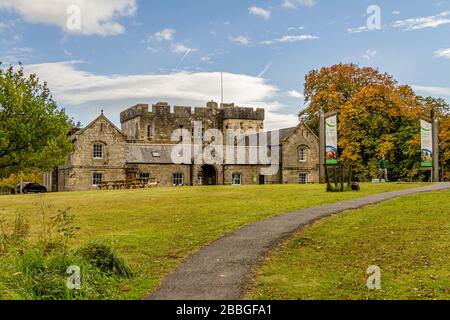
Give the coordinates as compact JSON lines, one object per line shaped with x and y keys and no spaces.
{"x":221,"y":89}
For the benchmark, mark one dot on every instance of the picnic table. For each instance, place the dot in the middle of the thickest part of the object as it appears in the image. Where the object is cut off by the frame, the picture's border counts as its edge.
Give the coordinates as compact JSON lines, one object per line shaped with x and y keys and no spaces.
{"x":127,"y":184}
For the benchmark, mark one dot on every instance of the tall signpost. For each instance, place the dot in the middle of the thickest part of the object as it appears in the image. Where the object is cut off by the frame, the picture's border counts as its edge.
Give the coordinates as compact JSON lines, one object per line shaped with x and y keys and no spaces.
{"x":322,"y":147}
{"x":331,"y":144}
{"x":430,"y":147}
{"x":436,"y":177}
{"x":329,"y":150}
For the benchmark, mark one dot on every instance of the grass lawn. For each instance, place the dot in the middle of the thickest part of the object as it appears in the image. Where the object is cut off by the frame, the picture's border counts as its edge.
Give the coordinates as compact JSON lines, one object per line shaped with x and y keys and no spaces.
{"x":408,"y":238}
{"x":156,"y":229}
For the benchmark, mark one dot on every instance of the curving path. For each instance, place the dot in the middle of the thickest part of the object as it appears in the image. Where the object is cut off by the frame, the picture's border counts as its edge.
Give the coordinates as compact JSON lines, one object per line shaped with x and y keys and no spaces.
{"x":222,"y":270}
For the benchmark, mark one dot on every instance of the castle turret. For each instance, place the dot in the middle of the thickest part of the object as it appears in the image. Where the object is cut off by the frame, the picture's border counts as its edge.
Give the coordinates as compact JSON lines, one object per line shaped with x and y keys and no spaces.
{"x":242,"y":118}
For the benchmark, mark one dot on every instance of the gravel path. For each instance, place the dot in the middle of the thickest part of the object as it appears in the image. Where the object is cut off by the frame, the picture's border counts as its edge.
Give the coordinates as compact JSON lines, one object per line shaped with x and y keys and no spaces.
{"x":221,"y":270}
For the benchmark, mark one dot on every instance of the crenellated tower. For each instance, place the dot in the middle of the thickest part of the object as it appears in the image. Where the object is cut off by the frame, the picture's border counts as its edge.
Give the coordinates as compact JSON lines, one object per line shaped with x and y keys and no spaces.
{"x":140,"y":124}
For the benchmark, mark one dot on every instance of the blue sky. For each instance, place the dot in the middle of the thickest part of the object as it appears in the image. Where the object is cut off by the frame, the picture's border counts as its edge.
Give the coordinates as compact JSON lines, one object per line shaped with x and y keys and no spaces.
{"x":136,"y":51}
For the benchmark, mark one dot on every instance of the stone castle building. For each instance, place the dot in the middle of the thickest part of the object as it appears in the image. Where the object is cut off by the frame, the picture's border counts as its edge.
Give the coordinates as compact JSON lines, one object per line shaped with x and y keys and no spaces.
{"x":143,"y":149}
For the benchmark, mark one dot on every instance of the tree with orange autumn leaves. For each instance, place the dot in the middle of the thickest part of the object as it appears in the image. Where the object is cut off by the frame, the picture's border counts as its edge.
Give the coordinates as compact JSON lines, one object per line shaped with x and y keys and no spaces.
{"x":377,"y":118}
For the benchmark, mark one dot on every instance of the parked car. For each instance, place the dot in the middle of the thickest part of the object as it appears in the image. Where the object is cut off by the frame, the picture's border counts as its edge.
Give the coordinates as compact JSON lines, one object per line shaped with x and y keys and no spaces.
{"x":31,"y":187}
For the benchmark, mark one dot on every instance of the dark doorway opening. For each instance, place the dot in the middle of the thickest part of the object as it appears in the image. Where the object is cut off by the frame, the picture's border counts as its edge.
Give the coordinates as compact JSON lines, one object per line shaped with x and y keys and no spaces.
{"x":209,"y":175}
{"x":262,"y":179}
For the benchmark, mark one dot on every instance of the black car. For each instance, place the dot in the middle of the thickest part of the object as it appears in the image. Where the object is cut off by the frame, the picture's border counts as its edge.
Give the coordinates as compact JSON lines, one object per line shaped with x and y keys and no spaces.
{"x":31,"y":187}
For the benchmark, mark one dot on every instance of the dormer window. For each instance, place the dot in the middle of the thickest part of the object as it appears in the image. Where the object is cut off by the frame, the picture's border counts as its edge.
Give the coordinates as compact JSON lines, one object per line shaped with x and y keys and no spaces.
{"x":98,"y":151}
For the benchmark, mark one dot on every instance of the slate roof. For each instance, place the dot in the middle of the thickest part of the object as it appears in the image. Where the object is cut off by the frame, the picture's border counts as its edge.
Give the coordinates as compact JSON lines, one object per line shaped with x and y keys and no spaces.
{"x":148,"y":154}
{"x":283,"y":134}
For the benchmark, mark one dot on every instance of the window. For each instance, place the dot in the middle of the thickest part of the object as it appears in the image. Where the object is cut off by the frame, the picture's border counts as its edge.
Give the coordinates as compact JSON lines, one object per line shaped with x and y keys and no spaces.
{"x":98,"y":151}
{"x":149,"y":132}
{"x":236,"y":179}
{"x":181,"y":133}
{"x":97,"y":179}
{"x":144,"y":177}
{"x":177,"y":179}
{"x":303,"y":178}
{"x":302,"y":154}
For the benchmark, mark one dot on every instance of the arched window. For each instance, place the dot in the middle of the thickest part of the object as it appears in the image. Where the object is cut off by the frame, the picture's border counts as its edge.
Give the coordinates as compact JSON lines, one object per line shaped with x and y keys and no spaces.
{"x":303,"y":153}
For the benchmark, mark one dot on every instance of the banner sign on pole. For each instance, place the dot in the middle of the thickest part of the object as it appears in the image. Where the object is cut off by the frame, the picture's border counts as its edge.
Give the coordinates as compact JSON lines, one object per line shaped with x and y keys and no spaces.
{"x":426,"y":131}
{"x":331,"y":149}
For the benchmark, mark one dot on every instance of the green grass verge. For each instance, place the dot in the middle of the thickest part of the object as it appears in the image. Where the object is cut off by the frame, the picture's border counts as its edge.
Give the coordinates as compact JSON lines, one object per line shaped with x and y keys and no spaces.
{"x":155,"y":230}
{"x":408,"y":238}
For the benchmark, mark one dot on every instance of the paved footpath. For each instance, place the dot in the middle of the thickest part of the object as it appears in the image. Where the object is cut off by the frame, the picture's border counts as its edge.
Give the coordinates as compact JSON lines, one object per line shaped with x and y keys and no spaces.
{"x":222,"y":270}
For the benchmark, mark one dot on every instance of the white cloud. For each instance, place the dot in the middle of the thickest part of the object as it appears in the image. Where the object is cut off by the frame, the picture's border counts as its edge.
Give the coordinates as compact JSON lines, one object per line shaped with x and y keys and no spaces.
{"x":164,"y":35}
{"x":243,"y":40}
{"x":291,"y":39}
{"x":370,"y":54}
{"x":296,"y":28}
{"x":293,"y":4}
{"x":443,"y":53}
{"x":434,"y":91}
{"x":87,"y":92}
{"x":16,"y":55}
{"x":357,"y":30}
{"x":395,"y":12}
{"x":261,"y":12}
{"x":424,"y":22}
{"x":295,"y":94}
{"x":180,"y":48}
{"x":98,"y":17}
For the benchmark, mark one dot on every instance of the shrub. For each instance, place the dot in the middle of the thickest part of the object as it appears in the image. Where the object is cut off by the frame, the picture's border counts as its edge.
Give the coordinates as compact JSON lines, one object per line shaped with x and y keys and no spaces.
{"x":105,"y":258}
{"x":38,"y":270}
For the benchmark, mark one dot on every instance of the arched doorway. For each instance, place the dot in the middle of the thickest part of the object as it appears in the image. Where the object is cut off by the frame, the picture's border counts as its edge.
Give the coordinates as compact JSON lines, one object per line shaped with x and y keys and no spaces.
{"x":209,"y":175}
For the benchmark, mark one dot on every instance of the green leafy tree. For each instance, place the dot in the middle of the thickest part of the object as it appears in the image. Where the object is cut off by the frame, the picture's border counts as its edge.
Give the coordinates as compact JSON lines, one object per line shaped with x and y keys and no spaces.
{"x":33,"y":130}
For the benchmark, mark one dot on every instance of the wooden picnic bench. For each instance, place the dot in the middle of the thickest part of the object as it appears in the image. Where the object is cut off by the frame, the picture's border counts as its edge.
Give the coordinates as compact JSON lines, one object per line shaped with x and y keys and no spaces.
{"x":132,"y":184}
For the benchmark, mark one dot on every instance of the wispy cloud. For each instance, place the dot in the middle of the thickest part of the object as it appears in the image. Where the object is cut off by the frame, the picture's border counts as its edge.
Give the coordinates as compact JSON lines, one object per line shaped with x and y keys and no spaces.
{"x":296,"y":28}
{"x":242,"y":40}
{"x":164,"y":35}
{"x":180,"y":48}
{"x":291,"y":39}
{"x":358,"y":30}
{"x":431,"y":90}
{"x":424,"y":22}
{"x":443,"y":53}
{"x":370,"y":54}
{"x":260,"y":12}
{"x":266,"y":68}
{"x":183,"y":58}
{"x":293,"y":4}
{"x":16,"y":55}
{"x":295,"y":94}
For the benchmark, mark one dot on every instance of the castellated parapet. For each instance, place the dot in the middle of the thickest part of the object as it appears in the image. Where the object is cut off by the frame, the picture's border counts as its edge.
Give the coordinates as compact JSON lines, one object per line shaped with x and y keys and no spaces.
{"x":141,"y":124}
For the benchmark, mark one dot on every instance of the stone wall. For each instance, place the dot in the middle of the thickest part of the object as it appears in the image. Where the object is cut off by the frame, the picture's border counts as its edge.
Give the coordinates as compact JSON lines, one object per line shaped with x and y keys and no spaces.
{"x":250,"y":174}
{"x":162,"y":172}
{"x":77,"y":173}
{"x":161,"y":122}
{"x":291,"y":164}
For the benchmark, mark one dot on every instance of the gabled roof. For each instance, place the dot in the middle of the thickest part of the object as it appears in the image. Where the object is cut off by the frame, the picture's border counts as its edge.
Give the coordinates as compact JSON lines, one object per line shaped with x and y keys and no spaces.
{"x":101,"y":116}
{"x":284,"y":134}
